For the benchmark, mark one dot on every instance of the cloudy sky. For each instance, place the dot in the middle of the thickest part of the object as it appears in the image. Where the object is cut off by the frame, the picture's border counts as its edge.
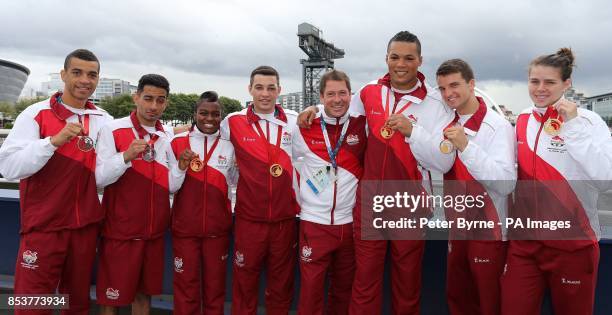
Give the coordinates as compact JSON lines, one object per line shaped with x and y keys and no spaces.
{"x":213,"y":45}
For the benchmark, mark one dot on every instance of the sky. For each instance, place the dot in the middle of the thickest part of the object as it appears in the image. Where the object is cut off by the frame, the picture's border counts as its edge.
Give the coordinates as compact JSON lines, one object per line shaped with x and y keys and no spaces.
{"x":214,"y":45}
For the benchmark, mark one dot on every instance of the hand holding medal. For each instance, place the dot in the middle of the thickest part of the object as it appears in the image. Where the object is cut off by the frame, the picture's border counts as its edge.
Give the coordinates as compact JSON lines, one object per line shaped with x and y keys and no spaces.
{"x":191,"y":159}
{"x":397,"y":122}
{"x":136,"y":147}
{"x":454,"y":138}
{"x":67,"y":133}
{"x":566,"y":109}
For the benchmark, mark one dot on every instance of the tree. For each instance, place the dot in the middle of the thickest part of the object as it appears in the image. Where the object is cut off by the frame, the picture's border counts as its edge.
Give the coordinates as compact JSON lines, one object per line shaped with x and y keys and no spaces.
{"x":180,"y":108}
{"x":22,"y":104}
{"x":118,"y":106}
{"x":7,"y":109}
{"x":230,"y":105}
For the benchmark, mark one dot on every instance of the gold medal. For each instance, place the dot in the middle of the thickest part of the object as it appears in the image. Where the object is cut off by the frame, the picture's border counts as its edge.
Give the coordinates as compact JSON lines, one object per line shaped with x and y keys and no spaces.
{"x":552,"y":126}
{"x":85,"y":143}
{"x":276,"y":170}
{"x":386,"y":132}
{"x":196,"y":165}
{"x":446,"y":146}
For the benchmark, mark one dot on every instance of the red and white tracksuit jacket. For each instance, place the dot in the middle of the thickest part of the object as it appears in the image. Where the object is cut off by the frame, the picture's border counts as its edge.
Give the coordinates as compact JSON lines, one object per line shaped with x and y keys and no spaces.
{"x":137,"y":193}
{"x":334,"y":205}
{"x":559,"y":178}
{"x":202,"y":206}
{"x":571,"y":169}
{"x":57,"y":188}
{"x":486,"y":167}
{"x":398,"y":158}
{"x":259,"y":196}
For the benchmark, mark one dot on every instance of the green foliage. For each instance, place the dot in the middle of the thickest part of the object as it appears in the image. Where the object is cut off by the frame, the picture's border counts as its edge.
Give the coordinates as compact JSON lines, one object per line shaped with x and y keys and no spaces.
{"x":179,"y":111}
{"x":118,"y":106}
{"x":7,"y":109}
{"x":230,"y":105}
{"x":180,"y":108}
{"x":22,"y":104}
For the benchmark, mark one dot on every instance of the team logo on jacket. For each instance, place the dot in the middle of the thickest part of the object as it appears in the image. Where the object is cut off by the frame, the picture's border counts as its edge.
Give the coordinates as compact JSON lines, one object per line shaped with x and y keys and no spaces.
{"x":112,"y":294}
{"x":178,"y":264}
{"x":306,"y":252}
{"x":412,"y":119}
{"x":221,"y":161}
{"x":239,"y":261}
{"x":352,"y":139}
{"x":224,"y":257}
{"x":557,"y":145}
{"x":29,"y":259}
{"x":286,"y":138}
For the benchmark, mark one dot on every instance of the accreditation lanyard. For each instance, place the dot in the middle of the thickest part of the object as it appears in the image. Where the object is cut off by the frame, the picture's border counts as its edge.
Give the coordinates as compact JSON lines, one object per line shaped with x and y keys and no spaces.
{"x":404,"y":105}
{"x":272,"y":152}
{"x":333,"y":153}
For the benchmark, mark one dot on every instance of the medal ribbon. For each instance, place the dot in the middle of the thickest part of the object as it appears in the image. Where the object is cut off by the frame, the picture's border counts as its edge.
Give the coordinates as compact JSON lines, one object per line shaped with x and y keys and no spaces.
{"x":551,"y":112}
{"x":85,"y":123}
{"x":207,"y":153}
{"x":272,"y":154}
{"x":403,"y":108}
{"x":333,"y":153}
{"x":143,"y":132}
{"x":452,"y":123}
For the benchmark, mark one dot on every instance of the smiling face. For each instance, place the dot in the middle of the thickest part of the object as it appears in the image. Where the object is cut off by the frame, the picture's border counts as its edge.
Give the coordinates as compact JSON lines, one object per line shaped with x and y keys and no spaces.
{"x":208,"y":117}
{"x":265,"y":91}
{"x":545,"y":85}
{"x":336,"y":98}
{"x":80,"y":81}
{"x":150,"y":104}
{"x":403,"y":60}
{"x":455,"y":91}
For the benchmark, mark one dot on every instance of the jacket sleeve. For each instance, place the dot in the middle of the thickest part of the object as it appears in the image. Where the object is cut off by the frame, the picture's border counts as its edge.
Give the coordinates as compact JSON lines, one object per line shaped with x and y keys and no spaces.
{"x":425,"y":145}
{"x":356,"y":105}
{"x":493,"y":166}
{"x":109,"y":163}
{"x":588,"y":142}
{"x":175,"y":174}
{"x":23,"y":153}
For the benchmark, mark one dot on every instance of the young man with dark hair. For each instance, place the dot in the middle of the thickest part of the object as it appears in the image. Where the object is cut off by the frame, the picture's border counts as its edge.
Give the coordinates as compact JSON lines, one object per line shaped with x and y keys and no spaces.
{"x":201,"y":212}
{"x":405,"y":122}
{"x":332,"y":152}
{"x":133,"y":166}
{"x":266,"y":207}
{"x":51,"y":151}
{"x":484,"y":145}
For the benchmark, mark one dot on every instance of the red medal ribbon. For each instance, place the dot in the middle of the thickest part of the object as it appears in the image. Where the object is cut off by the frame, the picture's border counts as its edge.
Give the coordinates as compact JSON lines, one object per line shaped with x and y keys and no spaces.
{"x":272,"y":154}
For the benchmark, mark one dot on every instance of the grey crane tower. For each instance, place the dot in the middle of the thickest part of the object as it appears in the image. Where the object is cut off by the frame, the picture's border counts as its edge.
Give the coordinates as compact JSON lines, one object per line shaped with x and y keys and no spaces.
{"x":321,"y":55}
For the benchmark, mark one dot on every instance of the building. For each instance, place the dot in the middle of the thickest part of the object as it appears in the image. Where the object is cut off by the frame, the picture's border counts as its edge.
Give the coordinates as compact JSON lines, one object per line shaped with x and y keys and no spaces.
{"x":13,"y":77}
{"x":506,"y":112}
{"x":110,"y":88}
{"x":578,"y":98}
{"x":602,"y":105}
{"x":293,"y":101}
{"x":106,"y":87}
